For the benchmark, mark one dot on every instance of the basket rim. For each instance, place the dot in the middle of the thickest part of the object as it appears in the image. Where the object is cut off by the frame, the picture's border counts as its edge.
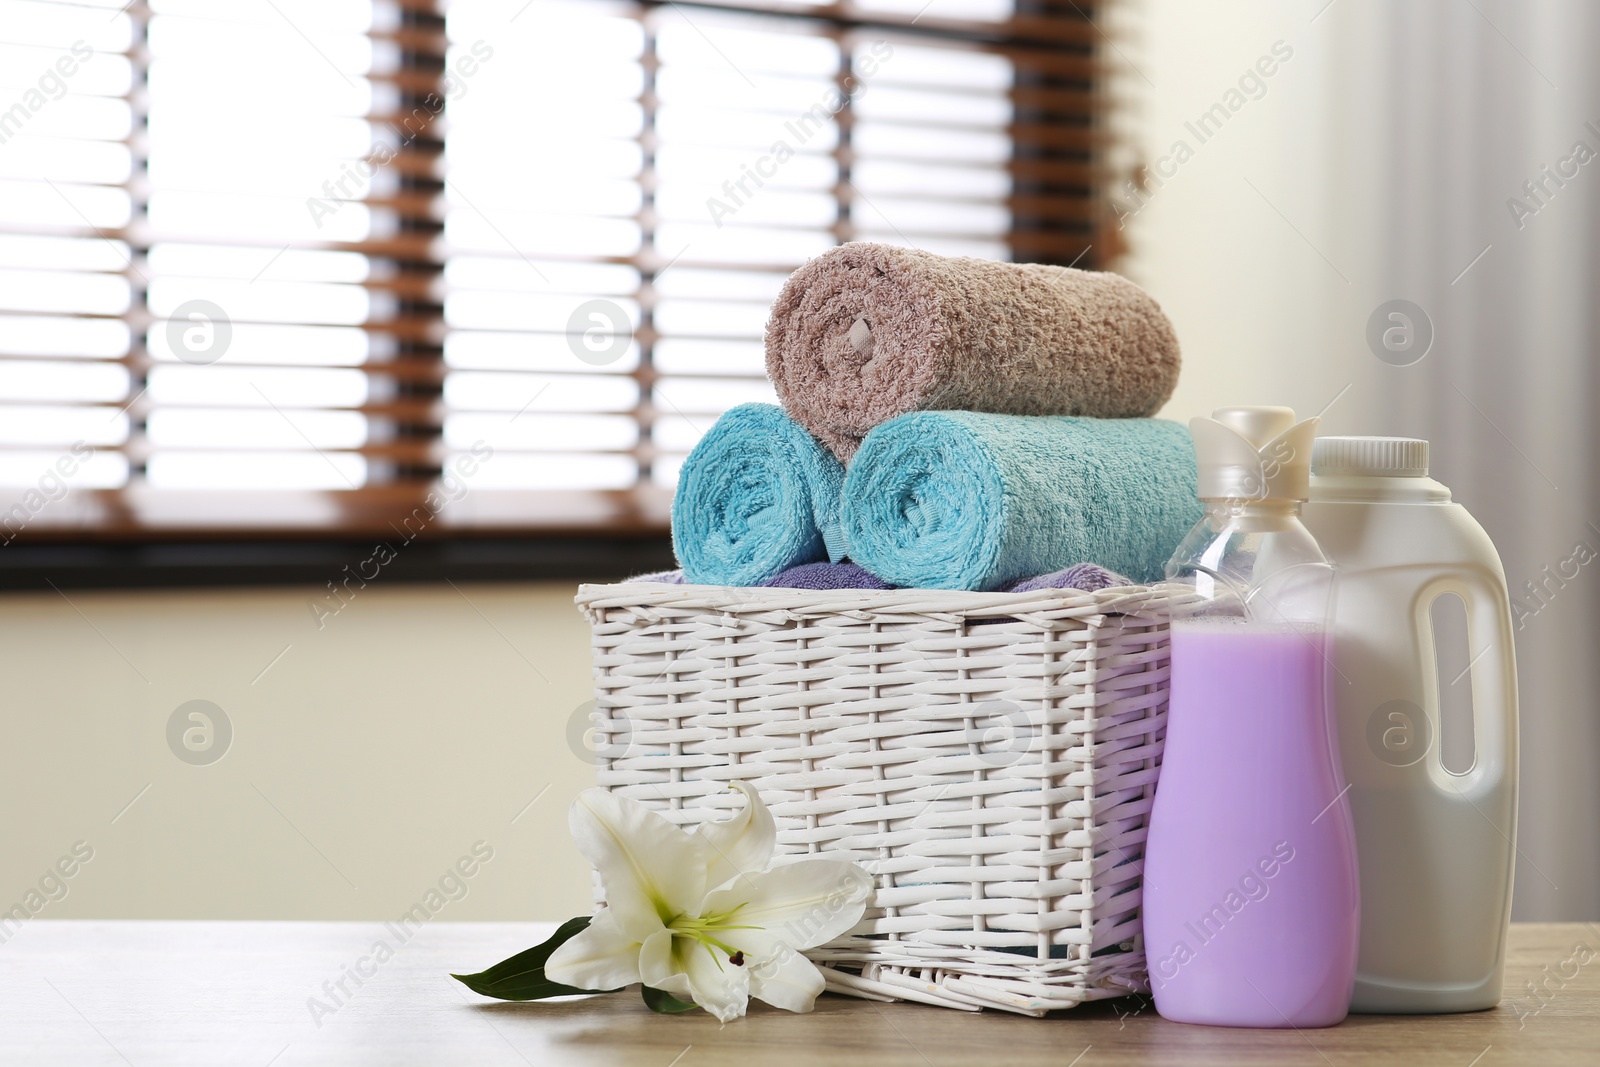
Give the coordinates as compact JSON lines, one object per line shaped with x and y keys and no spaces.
{"x":1052,"y":603}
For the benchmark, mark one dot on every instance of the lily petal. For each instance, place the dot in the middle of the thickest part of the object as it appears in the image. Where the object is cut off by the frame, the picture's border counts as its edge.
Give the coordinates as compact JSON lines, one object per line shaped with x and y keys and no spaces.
{"x":660,"y":970}
{"x":742,"y":844}
{"x":802,"y":904}
{"x":788,"y":981}
{"x":689,"y":970}
{"x":714,"y":982}
{"x":600,"y":957}
{"x":651,"y":869}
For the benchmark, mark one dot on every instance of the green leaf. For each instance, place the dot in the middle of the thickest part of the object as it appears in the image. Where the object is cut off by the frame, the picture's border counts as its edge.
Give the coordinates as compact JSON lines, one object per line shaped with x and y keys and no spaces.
{"x":661,"y":1001}
{"x":522,"y":976}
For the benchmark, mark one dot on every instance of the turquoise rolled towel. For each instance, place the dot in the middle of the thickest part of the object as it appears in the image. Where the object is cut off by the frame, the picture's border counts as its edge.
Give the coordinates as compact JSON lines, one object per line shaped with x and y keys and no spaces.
{"x":966,"y":500}
{"x":757,"y":496}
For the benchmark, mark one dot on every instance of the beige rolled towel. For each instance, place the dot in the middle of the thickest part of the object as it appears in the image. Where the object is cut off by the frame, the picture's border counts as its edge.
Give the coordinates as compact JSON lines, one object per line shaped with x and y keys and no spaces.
{"x":866,"y":332}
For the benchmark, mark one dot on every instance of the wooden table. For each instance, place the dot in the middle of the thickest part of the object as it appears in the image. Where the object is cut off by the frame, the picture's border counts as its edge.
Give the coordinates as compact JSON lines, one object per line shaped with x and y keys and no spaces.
{"x":155,"y":993}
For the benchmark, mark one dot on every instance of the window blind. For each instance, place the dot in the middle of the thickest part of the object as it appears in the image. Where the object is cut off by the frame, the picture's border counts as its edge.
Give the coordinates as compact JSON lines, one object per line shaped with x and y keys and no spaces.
{"x":300,"y":267}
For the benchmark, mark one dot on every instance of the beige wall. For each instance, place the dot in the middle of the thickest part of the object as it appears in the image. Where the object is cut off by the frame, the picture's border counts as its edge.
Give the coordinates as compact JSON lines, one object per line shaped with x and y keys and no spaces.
{"x":367,"y":760}
{"x":1259,"y":277}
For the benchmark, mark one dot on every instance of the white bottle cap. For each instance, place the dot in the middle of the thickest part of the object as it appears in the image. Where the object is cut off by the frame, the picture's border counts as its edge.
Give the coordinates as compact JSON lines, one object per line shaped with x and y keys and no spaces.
{"x":1253,"y":453}
{"x":1258,"y":425}
{"x":1380,"y":457}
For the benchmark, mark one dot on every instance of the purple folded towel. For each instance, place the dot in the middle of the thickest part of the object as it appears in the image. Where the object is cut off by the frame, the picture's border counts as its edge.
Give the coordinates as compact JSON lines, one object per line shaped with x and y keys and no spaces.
{"x":664,"y":577}
{"x":1086,"y":577}
{"x":827,"y":576}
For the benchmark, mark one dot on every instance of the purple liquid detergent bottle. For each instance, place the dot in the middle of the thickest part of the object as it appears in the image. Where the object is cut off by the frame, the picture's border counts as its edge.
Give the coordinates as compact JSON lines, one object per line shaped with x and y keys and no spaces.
{"x":1251,"y":897}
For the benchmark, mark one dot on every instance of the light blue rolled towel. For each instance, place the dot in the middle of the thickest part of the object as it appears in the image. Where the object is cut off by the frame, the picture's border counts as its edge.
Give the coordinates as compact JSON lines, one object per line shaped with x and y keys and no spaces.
{"x":757,"y":496}
{"x":966,"y":500}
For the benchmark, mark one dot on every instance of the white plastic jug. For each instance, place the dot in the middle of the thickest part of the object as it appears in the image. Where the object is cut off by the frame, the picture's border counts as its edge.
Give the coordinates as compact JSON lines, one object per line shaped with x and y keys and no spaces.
{"x":1436,"y":848}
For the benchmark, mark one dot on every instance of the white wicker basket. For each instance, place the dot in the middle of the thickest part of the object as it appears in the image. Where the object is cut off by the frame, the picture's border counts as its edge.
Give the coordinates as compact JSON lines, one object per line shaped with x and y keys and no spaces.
{"x":989,"y":757}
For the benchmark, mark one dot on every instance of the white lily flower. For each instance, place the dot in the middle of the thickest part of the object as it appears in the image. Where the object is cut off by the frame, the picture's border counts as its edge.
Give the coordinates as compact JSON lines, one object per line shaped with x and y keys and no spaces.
{"x":700,"y":915}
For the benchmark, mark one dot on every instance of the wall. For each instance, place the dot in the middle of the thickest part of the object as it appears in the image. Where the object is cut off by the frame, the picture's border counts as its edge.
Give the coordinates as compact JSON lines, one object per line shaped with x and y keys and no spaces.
{"x":1236,"y":243}
{"x":367,"y":756}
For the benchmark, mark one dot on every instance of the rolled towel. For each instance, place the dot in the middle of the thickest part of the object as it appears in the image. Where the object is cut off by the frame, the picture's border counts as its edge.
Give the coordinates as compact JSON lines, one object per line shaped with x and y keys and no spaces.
{"x":965,"y":500}
{"x":827,"y":576}
{"x":756,"y":496}
{"x":866,"y":332}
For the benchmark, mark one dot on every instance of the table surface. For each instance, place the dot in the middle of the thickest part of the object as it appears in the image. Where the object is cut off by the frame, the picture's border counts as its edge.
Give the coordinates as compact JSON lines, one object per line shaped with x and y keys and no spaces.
{"x":155,"y":993}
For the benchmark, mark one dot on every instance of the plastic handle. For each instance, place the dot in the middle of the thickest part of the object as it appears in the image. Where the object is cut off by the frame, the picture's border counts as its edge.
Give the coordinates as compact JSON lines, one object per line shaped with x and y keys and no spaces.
{"x":1493,"y":680}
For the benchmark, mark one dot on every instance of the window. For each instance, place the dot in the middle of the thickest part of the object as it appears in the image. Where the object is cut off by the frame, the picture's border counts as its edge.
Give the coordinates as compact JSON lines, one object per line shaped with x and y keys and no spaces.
{"x":306,"y":266}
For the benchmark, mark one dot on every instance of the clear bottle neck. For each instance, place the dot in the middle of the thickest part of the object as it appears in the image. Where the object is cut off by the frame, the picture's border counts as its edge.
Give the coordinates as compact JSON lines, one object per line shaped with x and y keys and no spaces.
{"x":1252,"y":516}
{"x":1254,"y":558}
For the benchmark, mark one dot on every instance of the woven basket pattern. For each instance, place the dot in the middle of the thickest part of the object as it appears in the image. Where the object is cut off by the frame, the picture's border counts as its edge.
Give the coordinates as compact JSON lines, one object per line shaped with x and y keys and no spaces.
{"x":990,"y":758}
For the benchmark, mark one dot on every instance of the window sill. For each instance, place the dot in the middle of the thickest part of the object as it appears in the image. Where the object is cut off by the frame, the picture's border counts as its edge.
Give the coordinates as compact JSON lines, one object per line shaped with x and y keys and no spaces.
{"x":133,"y":539}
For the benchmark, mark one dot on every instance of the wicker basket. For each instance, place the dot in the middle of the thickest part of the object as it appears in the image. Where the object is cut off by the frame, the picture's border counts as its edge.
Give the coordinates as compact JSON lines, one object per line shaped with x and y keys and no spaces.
{"x":989,"y":757}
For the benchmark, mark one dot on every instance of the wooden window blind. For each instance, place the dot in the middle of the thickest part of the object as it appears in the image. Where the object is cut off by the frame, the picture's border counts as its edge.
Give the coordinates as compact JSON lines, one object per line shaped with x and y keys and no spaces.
{"x":312,"y":267}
